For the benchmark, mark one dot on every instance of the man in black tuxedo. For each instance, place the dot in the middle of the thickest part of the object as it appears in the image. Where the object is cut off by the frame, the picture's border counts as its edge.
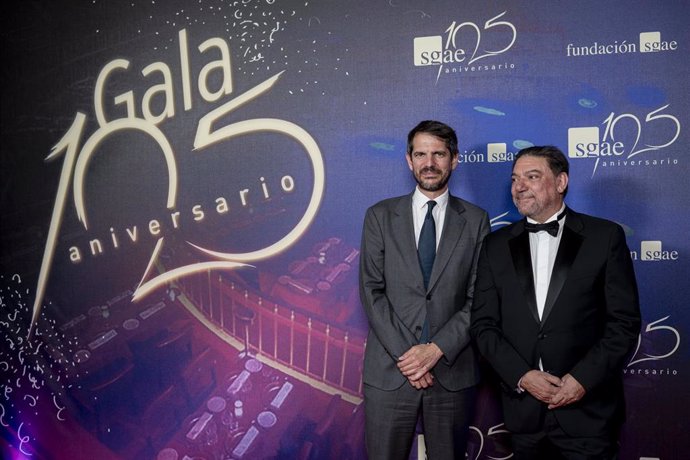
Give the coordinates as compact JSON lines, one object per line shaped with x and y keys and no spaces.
{"x":555,"y":313}
{"x":417,"y":298}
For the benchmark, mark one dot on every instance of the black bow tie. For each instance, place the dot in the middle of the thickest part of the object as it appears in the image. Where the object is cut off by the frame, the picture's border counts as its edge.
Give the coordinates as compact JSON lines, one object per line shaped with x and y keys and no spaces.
{"x":550,"y":227}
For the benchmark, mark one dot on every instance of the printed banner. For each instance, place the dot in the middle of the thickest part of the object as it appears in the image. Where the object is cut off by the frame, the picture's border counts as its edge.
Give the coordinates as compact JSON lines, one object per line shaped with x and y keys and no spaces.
{"x":183,"y":186}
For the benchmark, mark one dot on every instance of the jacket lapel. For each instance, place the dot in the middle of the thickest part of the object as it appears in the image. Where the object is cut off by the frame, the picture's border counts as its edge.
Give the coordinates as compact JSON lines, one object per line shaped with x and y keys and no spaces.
{"x":522,"y":261}
{"x":402,"y":223}
{"x":453,"y":226}
{"x":571,"y":240}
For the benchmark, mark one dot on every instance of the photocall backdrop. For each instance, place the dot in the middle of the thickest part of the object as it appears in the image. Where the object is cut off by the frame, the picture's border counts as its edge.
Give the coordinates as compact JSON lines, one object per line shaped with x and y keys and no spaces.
{"x":183,"y":186}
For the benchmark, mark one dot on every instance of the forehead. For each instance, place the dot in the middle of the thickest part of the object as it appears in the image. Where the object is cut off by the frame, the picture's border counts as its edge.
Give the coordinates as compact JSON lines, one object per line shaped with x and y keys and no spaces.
{"x":426,"y":141}
{"x":531,"y":163}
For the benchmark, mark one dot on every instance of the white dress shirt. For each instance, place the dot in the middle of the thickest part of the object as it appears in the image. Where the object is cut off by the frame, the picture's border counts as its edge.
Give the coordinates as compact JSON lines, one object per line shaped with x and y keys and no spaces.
{"x":419,"y":209}
{"x":543,"y":248}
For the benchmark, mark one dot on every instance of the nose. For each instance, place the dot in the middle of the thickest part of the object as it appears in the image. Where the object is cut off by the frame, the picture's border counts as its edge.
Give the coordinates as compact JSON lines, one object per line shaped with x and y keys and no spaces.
{"x":519,"y":185}
{"x":428,"y":160}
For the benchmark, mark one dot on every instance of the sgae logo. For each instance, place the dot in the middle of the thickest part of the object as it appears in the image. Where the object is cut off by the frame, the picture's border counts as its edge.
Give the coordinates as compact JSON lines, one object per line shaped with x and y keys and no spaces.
{"x":650,"y":42}
{"x":652,"y":251}
{"x":465,"y":44}
{"x":624,"y":137}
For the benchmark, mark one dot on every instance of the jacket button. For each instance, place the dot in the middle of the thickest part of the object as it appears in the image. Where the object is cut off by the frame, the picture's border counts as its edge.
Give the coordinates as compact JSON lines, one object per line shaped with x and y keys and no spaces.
{"x":428,"y":297}
{"x":541,"y":336}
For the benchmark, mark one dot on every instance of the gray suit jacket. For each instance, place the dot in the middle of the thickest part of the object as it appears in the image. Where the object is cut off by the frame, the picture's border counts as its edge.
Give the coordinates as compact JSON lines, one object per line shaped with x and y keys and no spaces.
{"x":396,"y":303}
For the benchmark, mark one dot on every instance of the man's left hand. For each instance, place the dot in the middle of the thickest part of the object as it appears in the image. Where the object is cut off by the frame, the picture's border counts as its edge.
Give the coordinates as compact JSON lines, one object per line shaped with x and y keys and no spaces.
{"x":570,"y":392}
{"x":419,"y":360}
{"x":426,"y":381}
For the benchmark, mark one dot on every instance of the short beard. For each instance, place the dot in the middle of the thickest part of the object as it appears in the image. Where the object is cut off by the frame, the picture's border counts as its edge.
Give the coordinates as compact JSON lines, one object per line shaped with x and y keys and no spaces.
{"x":523,"y":211}
{"x":433,"y":186}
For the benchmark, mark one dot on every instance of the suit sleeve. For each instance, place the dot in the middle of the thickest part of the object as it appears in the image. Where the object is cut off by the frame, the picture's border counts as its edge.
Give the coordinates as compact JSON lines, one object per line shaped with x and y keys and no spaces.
{"x":395,"y":337}
{"x":606,"y":357}
{"x":486,"y":325}
{"x":454,"y":336}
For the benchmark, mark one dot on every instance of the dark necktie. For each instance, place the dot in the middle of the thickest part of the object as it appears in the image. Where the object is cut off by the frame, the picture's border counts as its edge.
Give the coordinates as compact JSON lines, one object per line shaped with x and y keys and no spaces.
{"x":426,"y":251}
{"x":426,"y":247}
{"x":550,"y":227}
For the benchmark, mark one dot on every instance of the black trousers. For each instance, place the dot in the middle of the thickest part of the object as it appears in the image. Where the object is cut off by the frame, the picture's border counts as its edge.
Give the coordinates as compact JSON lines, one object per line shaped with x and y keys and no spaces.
{"x":391,"y":419}
{"x":552,"y":443}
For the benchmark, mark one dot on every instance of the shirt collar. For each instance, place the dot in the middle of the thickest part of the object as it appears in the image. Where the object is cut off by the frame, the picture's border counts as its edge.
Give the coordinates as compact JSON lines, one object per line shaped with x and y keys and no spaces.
{"x":532,"y":221}
{"x":419,"y":200}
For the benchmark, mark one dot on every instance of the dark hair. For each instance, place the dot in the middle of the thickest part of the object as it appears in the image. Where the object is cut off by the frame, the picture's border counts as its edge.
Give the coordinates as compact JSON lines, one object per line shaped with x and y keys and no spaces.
{"x":436,"y":129}
{"x":558,"y":162}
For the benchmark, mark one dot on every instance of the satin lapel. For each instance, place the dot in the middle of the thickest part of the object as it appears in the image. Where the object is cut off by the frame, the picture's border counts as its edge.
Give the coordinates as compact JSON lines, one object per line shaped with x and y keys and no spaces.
{"x":522,"y":261}
{"x":568,"y":248}
{"x":403,"y":226}
{"x":453,"y":226}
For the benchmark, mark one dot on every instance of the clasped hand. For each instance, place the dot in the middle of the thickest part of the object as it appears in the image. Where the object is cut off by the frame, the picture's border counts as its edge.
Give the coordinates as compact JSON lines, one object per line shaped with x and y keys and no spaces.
{"x":417,"y":362}
{"x":549,"y":389}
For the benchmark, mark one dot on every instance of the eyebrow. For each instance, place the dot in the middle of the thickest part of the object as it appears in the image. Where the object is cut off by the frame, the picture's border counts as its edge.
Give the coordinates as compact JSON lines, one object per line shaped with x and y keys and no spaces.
{"x":434,"y":152}
{"x":528,"y":172}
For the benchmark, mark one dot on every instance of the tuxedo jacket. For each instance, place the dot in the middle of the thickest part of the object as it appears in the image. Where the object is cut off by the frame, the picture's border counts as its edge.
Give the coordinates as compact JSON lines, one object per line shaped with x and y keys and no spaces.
{"x":591,"y":320}
{"x":396,"y":302}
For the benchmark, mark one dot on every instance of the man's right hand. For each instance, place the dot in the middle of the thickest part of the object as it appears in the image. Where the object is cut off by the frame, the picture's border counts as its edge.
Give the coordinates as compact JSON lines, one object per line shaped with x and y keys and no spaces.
{"x":425,"y":381}
{"x":541,"y":385}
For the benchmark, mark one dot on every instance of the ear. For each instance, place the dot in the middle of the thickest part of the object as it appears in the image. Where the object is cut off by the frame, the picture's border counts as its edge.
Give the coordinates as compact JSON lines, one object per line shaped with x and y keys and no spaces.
{"x":561,"y":182}
{"x":408,"y":157}
{"x":454,"y":161}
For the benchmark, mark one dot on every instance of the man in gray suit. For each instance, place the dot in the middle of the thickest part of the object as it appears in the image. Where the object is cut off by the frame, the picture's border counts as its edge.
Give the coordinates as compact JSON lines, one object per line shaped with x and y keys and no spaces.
{"x":417,"y":269}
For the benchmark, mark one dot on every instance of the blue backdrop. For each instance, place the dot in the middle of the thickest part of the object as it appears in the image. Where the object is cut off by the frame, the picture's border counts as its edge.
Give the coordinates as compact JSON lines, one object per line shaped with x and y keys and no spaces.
{"x":195,"y":175}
